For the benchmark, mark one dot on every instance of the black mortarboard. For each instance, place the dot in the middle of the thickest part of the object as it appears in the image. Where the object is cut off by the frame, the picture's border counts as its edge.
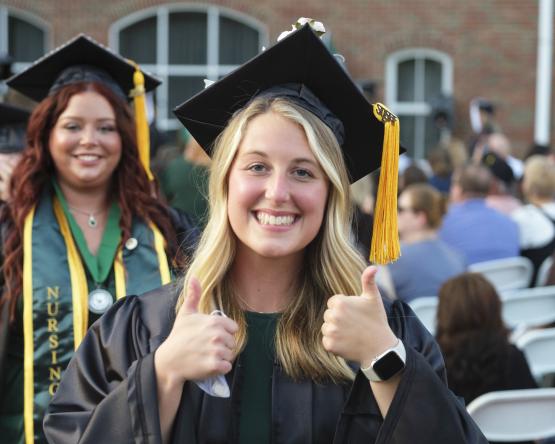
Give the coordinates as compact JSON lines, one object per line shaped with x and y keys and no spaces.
{"x":301,"y":68}
{"x":13,"y":122}
{"x":498,"y":167}
{"x":79,"y":60}
{"x":303,"y":65}
{"x":82,"y":59}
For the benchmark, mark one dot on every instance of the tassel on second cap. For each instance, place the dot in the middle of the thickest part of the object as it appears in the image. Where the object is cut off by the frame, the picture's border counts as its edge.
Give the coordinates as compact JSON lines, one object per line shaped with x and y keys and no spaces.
{"x":385,"y":246}
{"x":143,"y":135}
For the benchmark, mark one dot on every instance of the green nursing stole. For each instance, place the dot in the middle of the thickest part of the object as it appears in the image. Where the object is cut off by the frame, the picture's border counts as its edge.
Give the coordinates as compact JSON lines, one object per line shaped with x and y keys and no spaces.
{"x":55,"y":293}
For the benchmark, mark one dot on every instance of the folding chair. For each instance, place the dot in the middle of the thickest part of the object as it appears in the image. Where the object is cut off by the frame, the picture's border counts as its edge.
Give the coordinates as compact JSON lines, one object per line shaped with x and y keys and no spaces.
{"x":515,"y":415}
{"x":543,"y":272}
{"x":426,"y":309}
{"x":506,"y":274}
{"x":539,"y":348}
{"x":528,"y":307}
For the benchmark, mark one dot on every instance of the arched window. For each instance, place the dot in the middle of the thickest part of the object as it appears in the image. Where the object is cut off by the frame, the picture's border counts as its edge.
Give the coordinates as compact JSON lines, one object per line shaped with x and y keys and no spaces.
{"x":416,"y":79}
{"x":22,"y":36}
{"x":185,"y":44}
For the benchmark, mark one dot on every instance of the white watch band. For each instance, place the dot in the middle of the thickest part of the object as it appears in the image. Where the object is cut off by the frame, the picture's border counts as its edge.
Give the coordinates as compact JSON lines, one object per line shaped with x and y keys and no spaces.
{"x":398,"y":349}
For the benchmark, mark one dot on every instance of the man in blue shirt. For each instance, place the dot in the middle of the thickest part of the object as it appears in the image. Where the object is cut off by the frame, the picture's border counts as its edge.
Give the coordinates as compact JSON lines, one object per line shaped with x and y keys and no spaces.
{"x":477,"y":231}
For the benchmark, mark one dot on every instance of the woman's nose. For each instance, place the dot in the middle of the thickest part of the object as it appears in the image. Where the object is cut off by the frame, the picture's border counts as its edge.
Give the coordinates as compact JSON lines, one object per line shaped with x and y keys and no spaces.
{"x":277,"y":189}
{"x":89,"y":136}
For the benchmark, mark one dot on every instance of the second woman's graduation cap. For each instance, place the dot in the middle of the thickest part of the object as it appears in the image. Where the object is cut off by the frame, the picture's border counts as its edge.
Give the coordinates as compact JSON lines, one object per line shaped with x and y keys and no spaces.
{"x":78,"y":60}
{"x":301,"y":65}
{"x":82,"y":59}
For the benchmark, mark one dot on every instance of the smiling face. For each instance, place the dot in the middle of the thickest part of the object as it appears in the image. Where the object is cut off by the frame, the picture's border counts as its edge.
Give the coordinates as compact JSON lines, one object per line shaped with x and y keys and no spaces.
{"x":277,"y":191}
{"x":84,"y":143}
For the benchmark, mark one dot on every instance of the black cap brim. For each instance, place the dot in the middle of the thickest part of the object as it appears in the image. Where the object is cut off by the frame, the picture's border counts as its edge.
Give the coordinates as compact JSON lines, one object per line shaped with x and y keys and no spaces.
{"x":299,"y":58}
{"x":35,"y":82}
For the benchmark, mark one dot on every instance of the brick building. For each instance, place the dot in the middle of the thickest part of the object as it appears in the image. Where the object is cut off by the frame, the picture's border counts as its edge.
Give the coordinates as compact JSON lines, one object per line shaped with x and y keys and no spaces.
{"x":415,"y":55}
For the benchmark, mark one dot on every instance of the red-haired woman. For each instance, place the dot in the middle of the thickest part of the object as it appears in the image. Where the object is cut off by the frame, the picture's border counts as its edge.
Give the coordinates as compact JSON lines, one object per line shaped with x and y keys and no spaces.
{"x":82,"y":229}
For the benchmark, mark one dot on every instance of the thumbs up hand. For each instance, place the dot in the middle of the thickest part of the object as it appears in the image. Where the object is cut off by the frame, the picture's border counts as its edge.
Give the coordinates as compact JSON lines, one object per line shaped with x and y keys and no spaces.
{"x":199,"y":345}
{"x":355,"y":327}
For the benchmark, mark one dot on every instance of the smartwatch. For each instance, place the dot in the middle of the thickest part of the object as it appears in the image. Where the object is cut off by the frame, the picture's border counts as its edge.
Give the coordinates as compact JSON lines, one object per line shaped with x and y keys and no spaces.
{"x":387,"y":364}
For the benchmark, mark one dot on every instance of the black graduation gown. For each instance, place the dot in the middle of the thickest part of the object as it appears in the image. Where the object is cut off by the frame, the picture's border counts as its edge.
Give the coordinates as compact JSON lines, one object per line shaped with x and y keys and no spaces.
{"x":108,"y":392}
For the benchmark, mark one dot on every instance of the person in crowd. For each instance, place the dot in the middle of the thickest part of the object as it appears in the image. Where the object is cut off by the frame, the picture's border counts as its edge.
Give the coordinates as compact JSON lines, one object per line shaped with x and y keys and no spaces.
{"x":478,"y":232}
{"x":501,"y":193}
{"x":442,"y":167}
{"x":500,"y":145}
{"x":183,"y":181}
{"x":536,"y":219}
{"x":478,"y":355}
{"x":363,"y":193}
{"x":13,"y":121}
{"x":411,"y":175}
{"x":304,"y":361}
{"x":83,"y":226}
{"x":426,"y":261}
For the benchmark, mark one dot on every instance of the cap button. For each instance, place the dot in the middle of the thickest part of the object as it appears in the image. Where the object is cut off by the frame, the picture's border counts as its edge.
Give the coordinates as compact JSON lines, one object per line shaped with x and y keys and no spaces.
{"x":131,"y":243}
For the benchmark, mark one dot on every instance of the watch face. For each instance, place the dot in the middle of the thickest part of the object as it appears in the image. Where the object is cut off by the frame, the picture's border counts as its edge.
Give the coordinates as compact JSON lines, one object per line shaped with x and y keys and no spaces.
{"x":388,"y":365}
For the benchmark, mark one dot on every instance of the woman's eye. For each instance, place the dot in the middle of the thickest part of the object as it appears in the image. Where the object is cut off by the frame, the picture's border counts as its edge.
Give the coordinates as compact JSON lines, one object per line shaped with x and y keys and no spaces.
{"x":107,"y":129}
{"x":303,"y":174}
{"x":71,"y":126}
{"x":257,"y":168}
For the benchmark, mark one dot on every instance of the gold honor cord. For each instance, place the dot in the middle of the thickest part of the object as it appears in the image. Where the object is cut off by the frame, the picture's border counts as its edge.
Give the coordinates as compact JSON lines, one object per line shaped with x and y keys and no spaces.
{"x":159,"y":244}
{"x":28,"y":346}
{"x":79,"y":287}
{"x":385,"y":246}
{"x":139,"y":104}
{"x":119,"y":275}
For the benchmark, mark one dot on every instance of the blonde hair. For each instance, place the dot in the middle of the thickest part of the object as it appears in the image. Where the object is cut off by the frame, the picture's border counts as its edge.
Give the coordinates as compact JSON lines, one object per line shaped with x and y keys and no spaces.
{"x":332,"y":265}
{"x":539,"y":177}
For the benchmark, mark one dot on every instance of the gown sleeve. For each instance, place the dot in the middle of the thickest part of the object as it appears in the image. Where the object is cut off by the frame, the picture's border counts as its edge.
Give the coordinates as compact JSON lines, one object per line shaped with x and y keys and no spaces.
{"x":424,"y":410}
{"x":109,"y":384}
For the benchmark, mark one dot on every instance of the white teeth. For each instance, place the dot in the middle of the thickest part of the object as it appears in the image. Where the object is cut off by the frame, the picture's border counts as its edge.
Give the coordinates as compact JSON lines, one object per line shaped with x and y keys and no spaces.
{"x":268,"y":219}
{"x":88,"y":157}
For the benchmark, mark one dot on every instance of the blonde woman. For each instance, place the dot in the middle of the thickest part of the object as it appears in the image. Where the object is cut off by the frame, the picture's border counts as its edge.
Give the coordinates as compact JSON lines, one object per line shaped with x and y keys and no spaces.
{"x":536,"y":219}
{"x":309,"y":351}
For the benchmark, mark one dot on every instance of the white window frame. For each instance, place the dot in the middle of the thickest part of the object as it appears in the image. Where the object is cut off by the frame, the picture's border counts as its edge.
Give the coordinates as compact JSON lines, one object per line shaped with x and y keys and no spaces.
{"x":5,"y":12}
{"x":163,"y":68}
{"x":418,"y":107}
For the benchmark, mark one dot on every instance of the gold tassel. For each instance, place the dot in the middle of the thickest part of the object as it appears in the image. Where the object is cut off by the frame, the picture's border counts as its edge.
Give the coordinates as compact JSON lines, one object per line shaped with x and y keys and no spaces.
{"x":143,"y":135}
{"x":385,"y":246}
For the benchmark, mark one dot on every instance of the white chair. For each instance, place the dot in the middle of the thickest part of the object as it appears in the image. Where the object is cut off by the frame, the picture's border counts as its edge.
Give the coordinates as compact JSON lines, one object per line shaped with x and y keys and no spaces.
{"x":528,"y":307}
{"x":426,"y":309}
{"x":515,"y":415}
{"x":506,"y":274}
{"x":539,"y":348}
{"x":543,"y":271}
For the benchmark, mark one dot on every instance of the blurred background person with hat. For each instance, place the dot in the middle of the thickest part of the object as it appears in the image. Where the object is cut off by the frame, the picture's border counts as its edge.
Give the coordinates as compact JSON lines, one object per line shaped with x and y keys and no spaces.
{"x":502,"y":187}
{"x":83,"y":226}
{"x":13,"y":121}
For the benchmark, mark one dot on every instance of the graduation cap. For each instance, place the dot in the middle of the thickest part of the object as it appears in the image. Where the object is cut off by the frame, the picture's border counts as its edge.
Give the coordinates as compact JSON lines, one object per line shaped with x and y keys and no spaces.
{"x":13,"y":122}
{"x":301,"y":68}
{"x":498,"y":167}
{"x":82,"y":59}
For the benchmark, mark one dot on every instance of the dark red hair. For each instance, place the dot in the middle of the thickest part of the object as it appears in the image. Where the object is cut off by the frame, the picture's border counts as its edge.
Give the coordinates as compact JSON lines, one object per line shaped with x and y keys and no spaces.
{"x":130,"y":186}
